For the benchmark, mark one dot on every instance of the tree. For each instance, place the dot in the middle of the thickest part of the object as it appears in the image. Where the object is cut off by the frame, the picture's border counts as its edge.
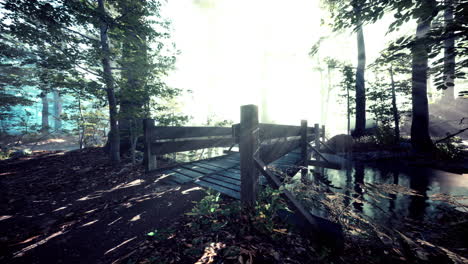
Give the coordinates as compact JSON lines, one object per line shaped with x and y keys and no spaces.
{"x":423,"y":11}
{"x":77,"y":35}
{"x":347,"y":84}
{"x":394,"y":64}
{"x":349,"y":15}
{"x":114,"y":137}
{"x":420,"y":138}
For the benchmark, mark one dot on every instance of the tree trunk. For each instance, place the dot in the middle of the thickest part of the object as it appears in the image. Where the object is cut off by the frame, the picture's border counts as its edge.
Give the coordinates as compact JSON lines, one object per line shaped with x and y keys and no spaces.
{"x":114,"y":137}
{"x":396,"y":116}
{"x":360,"y":85}
{"x":45,"y":113}
{"x":420,"y":139}
{"x":449,"y":55}
{"x":57,"y":112}
{"x":348,"y":110}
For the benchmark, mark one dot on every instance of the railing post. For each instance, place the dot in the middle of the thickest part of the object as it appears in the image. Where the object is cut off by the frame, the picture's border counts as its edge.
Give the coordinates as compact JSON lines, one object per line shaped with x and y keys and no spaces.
{"x":149,"y":160}
{"x":317,"y":139}
{"x":248,"y":145}
{"x":323,"y":133}
{"x":304,"y":142}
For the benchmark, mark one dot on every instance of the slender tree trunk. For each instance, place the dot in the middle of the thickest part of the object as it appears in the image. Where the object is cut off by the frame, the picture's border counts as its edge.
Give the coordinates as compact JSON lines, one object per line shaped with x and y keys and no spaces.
{"x":114,"y":137}
{"x":360,"y":85}
{"x":449,"y":55}
{"x":45,"y":113}
{"x":396,"y":116}
{"x":57,"y":112}
{"x":348,"y":109}
{"x":420,"y":139}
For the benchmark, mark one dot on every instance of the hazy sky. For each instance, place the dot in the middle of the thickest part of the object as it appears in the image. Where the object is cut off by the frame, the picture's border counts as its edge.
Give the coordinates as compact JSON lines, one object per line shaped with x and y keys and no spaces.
{"x":234,"y":51}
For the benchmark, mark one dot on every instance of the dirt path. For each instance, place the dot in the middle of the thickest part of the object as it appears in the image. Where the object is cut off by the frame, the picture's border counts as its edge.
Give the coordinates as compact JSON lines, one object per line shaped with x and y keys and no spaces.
{"x":76,"y":208}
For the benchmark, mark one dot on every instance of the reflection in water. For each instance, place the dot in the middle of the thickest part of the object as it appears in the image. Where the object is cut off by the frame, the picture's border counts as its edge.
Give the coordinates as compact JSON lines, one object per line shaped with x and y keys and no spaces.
{"x":425,"y":181}
{"x":358,"y":180}
{"x":417,"y":206}
{"x":393,"y":197}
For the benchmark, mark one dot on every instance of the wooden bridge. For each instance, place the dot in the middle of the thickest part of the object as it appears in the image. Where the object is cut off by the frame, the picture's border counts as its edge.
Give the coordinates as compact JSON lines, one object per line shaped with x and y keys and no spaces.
{"x":264,"y":149}
{"x":282,"y":147}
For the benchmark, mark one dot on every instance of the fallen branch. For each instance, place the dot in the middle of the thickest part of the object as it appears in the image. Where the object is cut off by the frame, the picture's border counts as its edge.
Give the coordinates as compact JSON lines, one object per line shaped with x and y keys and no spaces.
{"x":451,"y":135}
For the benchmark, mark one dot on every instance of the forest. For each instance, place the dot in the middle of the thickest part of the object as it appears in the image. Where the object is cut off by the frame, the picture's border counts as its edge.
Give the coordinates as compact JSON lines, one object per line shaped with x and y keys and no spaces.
{"x":217,"y":131}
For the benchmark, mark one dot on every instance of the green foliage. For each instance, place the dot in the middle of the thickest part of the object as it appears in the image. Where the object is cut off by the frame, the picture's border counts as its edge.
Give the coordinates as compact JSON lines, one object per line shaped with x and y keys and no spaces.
{"x":211,"y":213}
{"x":450,"y":149}
{"x":269,"y":202}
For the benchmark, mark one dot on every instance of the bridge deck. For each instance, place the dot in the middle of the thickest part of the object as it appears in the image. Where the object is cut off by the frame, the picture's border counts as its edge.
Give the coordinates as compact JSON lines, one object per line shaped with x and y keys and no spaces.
{"x":223,"y":173}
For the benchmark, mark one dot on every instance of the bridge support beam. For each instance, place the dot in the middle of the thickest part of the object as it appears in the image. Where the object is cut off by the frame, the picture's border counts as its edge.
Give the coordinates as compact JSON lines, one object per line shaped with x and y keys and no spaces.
{"x":304,"y":143}
{"x":149,"y":160}
{"x":248,"y":148}
{"x":317,"y":139}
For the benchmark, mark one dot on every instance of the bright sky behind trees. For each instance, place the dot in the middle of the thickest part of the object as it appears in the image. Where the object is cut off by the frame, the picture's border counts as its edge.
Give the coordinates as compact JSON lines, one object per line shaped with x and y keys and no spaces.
{"x":233,"y":52}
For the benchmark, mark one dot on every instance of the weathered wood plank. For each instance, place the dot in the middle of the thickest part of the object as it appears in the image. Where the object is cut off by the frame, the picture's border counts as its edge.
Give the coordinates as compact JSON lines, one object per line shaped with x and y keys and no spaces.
{"x":272,"y":131}
{"x":220,"y":177}
{"x":160,"y":148}
{"x":178,"y":178}
{"x":327,"y":231}
{"x":149,"y":160}
{"x":324,"y":164}
{"x":273,"y":152}
{"x":222,"y":183}
{"x":224,"y":164}
{"x":221,"y":189}
{"x":187,"y":172}
{"x":198,"y":169}
{"x":230,"y":174}
{"x":164,"y":132}
{"x":208,"y":166}
{"x":304,"y":142}
{"x":248,"y":144}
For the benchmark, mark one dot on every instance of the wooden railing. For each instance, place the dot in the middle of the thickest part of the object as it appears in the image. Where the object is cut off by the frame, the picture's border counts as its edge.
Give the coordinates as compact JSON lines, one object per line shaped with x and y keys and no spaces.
{"x":161,"y":140}
{"x":274,"y":140}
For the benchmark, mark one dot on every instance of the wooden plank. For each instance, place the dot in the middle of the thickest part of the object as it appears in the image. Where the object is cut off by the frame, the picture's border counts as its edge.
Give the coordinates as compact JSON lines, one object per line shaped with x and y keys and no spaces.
{"x":208,"y":166}
{"x":304,"y":142}
{"x":198,"y":169}
{"x":221,"y":189}
{"x":231,"y":175}
{"x":221,"y":177}
{"x":220,"y":164}
{"x":160,"y":148}
{"x":270,"y":131}
{"x":149,"y":160}
{"x":324,"y":164}
{"x":221,"y":183}
{"x":248,"y":144}
{"x":164,"y":132}
{"x":318,"y":154}
{"x":273,"y":152}
{"x":188,"y":172}
{"x":327,"y":231}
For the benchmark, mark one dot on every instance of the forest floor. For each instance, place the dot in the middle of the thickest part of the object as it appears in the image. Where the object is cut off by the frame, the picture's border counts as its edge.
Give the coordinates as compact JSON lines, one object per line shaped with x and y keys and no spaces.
{"x":74,"y":207}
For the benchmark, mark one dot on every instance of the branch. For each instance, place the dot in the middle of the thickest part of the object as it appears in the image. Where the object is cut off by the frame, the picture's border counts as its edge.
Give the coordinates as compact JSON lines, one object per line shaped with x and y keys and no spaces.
{"x":452,"y":135}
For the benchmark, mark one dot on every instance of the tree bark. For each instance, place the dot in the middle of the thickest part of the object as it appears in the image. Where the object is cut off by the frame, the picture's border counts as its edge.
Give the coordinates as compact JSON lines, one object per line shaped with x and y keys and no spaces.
{"x":396,"y":116}
{"x":57,"y":112}
{"x":420,"y":139}
{"x":114,"y":137}
{"x":45,"y":113}
{"x":449,"y":55}
{"x":360,"y":85}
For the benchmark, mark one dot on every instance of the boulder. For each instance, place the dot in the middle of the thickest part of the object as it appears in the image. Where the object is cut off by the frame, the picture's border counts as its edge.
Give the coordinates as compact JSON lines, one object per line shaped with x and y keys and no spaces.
{"x":341,"y":143}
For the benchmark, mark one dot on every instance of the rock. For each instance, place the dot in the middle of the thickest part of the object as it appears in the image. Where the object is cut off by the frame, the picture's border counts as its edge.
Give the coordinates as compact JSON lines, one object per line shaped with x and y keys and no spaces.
{"x":341,"y":143}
